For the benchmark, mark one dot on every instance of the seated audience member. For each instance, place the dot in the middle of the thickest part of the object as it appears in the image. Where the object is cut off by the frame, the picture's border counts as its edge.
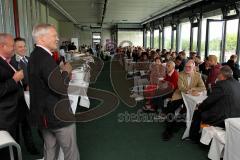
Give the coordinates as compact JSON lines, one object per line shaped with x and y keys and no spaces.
{"x":153,"y":55}
{"x":143,"y":64}
{"x":167,"y":57}
{"x":182,"y":54}
{"x":157,"y":70}
{"x":164,"y":51}
{"x":172,"y":77}
{"x":214,"y":70}
{"x":236,"y":71}
{"x":135,"y":55}
{"x":204,"y":67}
{"x":158,"y":52}
{"x":189,"y":82}
{"x":173,"y":56}
{"x":233,"y":57}
{"x":197,"y":60}
{"x":222,"y":103}
{"x":179,"y":65}
{"x":172,"y":74}
{"x":192,"y":55}
{"x":72,"y":47}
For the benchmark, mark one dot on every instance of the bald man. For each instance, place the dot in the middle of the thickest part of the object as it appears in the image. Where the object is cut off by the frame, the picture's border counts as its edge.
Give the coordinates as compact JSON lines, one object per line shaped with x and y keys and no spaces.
{"x":10,"y":90}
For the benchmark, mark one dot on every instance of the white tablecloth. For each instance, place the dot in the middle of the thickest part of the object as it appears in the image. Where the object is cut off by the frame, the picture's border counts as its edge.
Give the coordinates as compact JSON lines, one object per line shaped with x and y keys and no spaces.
{"x":190,"y":103}
{"x":232,"y":139}
{"x":79,"y":88}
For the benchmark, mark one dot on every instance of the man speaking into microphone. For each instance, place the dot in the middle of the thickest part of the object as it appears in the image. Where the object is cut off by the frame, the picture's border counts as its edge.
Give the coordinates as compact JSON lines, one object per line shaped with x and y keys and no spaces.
{"x":48,"y":85}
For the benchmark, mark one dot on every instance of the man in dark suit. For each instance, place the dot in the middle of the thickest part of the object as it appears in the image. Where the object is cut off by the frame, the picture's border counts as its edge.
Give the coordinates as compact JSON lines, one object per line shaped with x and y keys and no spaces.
{"x":48,"y":84}
{"x":222,"y":103}
{"x":10,"y":90}
{"x":20,"y":61}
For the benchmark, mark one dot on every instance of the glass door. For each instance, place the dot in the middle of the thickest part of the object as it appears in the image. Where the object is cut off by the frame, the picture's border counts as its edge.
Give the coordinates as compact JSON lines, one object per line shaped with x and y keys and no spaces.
{"x":231,"y":38}
{"x":215,"y":39}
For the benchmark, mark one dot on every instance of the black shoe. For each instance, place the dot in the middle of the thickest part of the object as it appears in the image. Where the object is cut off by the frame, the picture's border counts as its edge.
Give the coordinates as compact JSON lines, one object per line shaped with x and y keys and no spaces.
{"x":166,"y":136}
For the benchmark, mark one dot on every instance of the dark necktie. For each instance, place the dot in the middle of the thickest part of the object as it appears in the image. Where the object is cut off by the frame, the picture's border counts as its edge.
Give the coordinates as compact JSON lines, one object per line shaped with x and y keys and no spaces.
{"x":24,"y":60}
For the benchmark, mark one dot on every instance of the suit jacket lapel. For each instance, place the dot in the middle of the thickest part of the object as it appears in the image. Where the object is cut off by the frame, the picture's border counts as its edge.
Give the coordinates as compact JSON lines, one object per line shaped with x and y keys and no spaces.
{"x":6,"y":65}
{"x":192,"y":80}
{"x":186,"y":80}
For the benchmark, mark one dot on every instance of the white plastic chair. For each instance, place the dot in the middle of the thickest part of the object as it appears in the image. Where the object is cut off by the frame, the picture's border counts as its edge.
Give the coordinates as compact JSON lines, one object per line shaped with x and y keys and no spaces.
{"x":6,"y":140}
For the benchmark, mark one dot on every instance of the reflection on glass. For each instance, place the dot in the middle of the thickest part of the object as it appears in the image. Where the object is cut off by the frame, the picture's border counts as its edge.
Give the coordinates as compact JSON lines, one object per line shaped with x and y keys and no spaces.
{"x":156,"y":39}
{"x":127,"y":38}
{"x":231,"y":38}
{"x":167,"y":37}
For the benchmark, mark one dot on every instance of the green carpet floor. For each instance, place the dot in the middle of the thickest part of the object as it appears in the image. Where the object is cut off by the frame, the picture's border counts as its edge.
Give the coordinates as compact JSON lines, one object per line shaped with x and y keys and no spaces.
{"x":108,"y":139}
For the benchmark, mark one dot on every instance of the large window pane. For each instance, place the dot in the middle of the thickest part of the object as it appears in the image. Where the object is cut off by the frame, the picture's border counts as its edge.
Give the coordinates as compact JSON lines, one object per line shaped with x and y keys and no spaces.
{"x":174,"y":40}
{"x":160,"y":38}
{"x":126,"y":38}
{"x":148,"y":39}
{"x":195,"y":36}
{"x":7,"y":17}
{"x":231,"y":38}
{"x":203,"y":38}
{"x":203,"y":32}
{"x":185,"y":37}
{"x":156,"y":39}
{"x":167,"y":37}
{"x":215,"y":38}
